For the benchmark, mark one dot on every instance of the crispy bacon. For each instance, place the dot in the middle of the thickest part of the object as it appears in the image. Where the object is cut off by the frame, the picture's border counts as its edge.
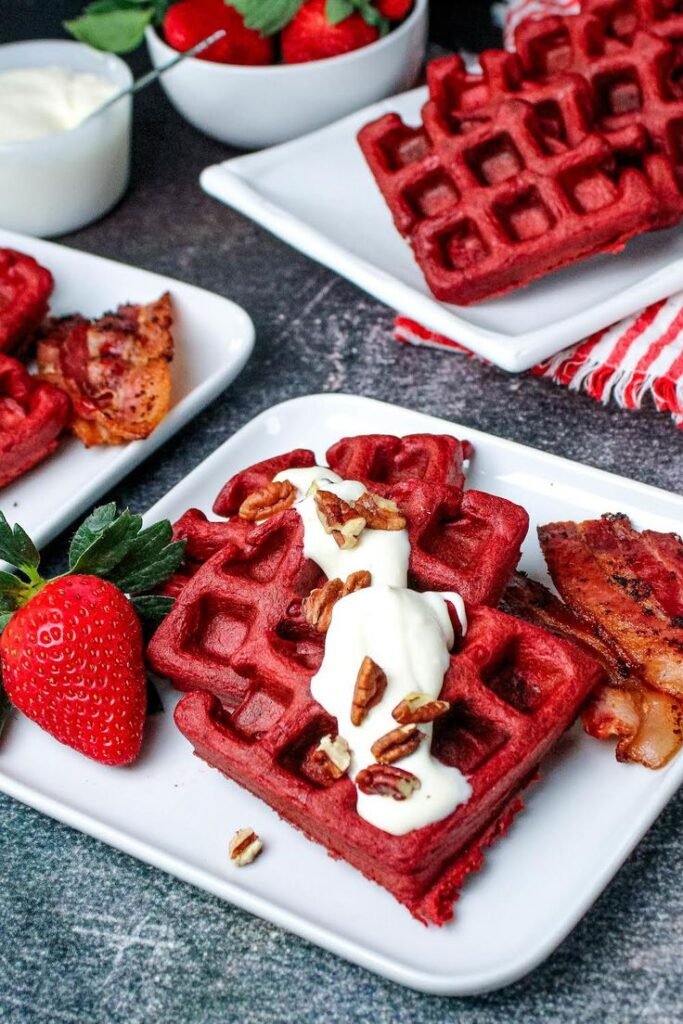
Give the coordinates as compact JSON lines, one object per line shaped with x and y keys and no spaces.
{"x":645,"y":723}
{"x":613,"y":580}
{"x":115,"y":370}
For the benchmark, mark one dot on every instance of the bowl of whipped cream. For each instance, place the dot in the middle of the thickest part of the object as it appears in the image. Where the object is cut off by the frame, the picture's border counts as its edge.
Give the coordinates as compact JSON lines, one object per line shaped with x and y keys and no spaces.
{"x":62,"y":165}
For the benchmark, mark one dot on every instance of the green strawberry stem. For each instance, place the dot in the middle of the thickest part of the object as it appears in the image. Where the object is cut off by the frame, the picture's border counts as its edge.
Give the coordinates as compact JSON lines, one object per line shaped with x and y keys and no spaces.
{"x":111,"y":546}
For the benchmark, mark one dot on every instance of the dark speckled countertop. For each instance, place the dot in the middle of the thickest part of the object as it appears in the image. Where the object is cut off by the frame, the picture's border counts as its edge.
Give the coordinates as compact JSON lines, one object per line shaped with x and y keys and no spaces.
{"x":91,"y":935}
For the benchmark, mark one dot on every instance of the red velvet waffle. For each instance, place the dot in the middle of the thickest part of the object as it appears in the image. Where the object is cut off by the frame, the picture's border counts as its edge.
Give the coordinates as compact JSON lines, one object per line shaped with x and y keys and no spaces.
{"x":513,"y":690}
{"x":621,"y":19}
{"x":499,"y":204}
{"x":634,"y":85}
{"x":544,"y":152}
{"x":25,"y":288}
{"x":32,"y":416}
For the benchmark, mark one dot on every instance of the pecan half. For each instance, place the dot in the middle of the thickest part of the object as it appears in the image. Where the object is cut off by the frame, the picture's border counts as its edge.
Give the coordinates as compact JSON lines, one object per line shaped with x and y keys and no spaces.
{"x":317,"y":607}
{"x":379,"y":513}
{"x":397,"y":744}
{"x":267,"y":501}
{"x":371,"y":682}
{"x":333,"y":755}
{"x":386,"y":780}
{"x":244,"y":847}
{"x":339,"y":518}
{"x":417,"y":708}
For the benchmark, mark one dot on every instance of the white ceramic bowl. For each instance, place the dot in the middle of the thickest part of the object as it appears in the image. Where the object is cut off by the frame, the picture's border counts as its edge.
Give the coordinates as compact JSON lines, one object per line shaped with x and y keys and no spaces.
{"x":253,"y":107}
{"x":59,"y":183}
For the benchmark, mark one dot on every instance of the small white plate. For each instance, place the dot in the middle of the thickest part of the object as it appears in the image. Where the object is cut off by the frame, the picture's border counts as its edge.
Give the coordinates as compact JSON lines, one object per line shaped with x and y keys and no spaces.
{"x":582,"y":820}
{"x":318,"y":194}
{"x":214,"y":338}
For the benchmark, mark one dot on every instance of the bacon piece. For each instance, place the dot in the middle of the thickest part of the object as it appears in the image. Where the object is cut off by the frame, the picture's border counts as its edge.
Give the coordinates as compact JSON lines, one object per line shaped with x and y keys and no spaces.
{"x":115,"y":370}
{"x":645,"y":723}
{"x":594,"y":577}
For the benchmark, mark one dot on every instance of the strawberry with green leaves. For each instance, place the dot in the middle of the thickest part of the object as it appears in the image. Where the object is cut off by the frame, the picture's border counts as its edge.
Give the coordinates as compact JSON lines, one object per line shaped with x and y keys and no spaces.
{"x":72,"y":648}
{"x":309,"y":29}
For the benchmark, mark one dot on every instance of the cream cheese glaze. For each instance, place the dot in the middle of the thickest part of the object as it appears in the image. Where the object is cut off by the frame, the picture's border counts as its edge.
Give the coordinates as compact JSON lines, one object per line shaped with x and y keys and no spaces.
{"x":408,"y":634}
{"x":384,"y":553}
{"x":35,"y":102}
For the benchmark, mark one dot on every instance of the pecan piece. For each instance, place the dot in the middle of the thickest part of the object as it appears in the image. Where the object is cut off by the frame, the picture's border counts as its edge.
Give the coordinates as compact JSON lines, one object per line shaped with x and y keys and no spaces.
{"x":397,"y":744}
{"x":333,"y":755}
{"x":418,"y":708}
{"x":386,"y":780}
{"x":244,"y":847}
{"x":339,"y":518}
{"x":317,"y":607}
{"x":267,"y":501}
{"x":379,"y":513}
{"x":371,"y":682}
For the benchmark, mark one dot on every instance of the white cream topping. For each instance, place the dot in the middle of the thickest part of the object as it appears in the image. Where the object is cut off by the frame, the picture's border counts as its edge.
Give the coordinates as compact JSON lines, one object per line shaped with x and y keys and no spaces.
{"x":384,"y":553}
{"x":409,"y":636}
{"x":304,"y":477}
{"x":35,"y":102}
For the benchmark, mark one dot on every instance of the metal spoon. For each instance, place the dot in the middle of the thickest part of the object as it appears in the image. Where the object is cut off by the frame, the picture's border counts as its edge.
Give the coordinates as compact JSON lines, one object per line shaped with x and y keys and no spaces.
{"x":152,"y":76}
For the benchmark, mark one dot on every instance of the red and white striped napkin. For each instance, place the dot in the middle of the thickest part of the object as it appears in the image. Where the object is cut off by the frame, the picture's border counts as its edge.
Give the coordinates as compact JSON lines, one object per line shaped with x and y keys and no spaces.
{"x":636,"y":359}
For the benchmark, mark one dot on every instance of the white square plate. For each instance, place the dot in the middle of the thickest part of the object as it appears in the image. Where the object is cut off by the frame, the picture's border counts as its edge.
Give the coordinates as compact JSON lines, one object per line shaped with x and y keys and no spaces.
{"x":214,"y":338}
{"x":318,"y":194}
{"x":171,"y":810}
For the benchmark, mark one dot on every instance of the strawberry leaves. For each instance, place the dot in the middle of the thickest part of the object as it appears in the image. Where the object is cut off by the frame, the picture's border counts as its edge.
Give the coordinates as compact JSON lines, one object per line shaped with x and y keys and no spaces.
{"x":117,"y":26}
{"x":118,"y":549}
{"x":266,"y":16}
{"x":114,"y":547}
{"x":17,"y":548}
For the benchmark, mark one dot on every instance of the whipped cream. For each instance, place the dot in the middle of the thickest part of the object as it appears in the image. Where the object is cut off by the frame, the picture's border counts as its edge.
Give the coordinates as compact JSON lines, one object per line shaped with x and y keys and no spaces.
{"x":35,"y":102}
{"x":409,"y":636}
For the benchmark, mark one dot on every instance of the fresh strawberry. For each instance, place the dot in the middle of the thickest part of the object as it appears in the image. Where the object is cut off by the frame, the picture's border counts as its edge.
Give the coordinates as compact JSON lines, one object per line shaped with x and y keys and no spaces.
{"x":72,"y":649}
{"x":190,"y":21}
{"x":394,"y":10}
{"x":311,"y":36}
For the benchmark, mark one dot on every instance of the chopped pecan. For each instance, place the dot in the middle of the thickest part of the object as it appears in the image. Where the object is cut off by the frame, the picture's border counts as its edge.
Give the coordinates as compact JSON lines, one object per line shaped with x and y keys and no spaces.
{"x":333,"y":755}
{"x":418,"y":708}
{"x":317,"y":607}
{"x":397,"y":744}
{"x":379,"y":513}
{"x":267,"y":501}
{"x":371,"y":682}
{"x":244,"y":847}
{"x":339,"y":518}
{"x":386,"y":780}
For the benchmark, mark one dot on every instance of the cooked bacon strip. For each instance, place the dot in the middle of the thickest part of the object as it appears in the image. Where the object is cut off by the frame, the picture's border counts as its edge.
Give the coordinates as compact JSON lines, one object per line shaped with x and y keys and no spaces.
{"x":115,"y":370}
{"x":645,"y":723}
{"x":593,"y":577}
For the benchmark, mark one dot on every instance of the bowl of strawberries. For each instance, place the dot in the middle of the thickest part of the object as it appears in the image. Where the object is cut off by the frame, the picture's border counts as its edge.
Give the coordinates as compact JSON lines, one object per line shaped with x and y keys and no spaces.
{"x":286,"y":67}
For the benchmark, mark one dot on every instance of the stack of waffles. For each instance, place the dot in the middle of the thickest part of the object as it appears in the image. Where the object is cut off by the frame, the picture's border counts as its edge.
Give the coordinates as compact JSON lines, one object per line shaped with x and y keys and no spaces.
{"x":565,"y":149}
{"x":240,"y":641}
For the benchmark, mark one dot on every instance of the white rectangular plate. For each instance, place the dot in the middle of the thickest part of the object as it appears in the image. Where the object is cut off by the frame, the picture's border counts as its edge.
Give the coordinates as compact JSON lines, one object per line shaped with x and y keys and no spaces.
{"x":171,"y":810}
{"x":214,"y":338}
{"x":318,"y":194}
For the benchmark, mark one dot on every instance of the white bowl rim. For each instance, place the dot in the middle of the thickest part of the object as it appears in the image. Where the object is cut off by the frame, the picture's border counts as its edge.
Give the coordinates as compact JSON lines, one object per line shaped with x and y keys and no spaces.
{"x":64,"y":45}
{"x":217,"y":67}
